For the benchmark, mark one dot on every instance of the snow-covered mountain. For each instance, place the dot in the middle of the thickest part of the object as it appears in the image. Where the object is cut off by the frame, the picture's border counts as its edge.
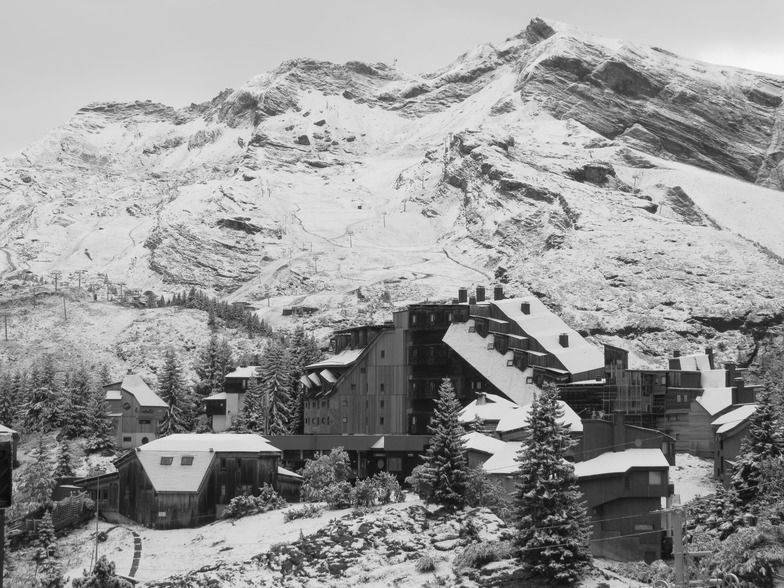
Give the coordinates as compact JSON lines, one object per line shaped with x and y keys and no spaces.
{"x":635,"y":191}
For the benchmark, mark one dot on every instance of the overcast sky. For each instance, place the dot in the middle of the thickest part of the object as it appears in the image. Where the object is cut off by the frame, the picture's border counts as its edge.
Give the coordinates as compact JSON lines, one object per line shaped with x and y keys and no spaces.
{"x":58,"y":55}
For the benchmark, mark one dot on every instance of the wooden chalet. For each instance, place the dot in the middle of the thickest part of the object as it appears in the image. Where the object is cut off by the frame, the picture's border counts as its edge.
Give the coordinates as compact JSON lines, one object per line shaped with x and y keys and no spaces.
{"x":226,"y":406}
{"x":622,"y":471}
{"x":187,"y":480}
{"x":729,"y":431}
{"x":135,"y":410}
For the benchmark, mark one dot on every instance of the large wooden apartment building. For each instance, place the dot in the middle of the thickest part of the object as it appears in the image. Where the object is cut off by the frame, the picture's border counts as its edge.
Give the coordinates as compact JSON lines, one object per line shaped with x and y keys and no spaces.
{"x":135,"y":411}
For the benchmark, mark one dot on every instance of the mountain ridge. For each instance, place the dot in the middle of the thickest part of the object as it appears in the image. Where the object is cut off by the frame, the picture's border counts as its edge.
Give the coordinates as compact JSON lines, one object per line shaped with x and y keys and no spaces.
{"x":612,"y":180}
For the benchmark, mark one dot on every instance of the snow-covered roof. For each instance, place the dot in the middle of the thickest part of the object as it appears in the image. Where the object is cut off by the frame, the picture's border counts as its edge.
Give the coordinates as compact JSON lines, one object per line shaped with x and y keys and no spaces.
{"x":328,"y":376}
{"x":218,"y":396}
{"x":7,"y":430}
{"x":619,"y":462}
{"x":114,"y":395}
{"x":284,"y":472}
{"x":546,"y":327}
{"x":342,"y":359}
{"x":202,"y":448}
{"x":491,"y":364}
{"x":733,"y":418}
{"x":693,"y":363}
{"x":133,"y":384}
{"x":503,"y":461}
{"x":245,"y":371}
{"x":476,"y":441}
{"x":714,"y":400}
{"x":491,"y":409}
{"x":517,"y":418}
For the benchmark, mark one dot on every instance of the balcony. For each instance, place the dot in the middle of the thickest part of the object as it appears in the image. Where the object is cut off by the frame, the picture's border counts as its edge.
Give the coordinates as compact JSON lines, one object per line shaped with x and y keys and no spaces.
{"x":428,"y":354}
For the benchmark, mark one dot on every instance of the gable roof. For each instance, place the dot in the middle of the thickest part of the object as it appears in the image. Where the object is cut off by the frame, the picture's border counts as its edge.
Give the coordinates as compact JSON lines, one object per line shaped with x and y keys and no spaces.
{"x":734,"y":418}
{"x":517,"y":418}
{"x":714,"y":400}
{"x":493,"y":409}
{"x":503,"y":462}
{"x":546,"y":327}
{"x":245,"y":371}
{"x":476,"y":441}
{"x":342,"y":359}
{"x":134,"y":385}
{"x":491,"y":364}
{"x":620,"y":462}
{"x":203,"y":448}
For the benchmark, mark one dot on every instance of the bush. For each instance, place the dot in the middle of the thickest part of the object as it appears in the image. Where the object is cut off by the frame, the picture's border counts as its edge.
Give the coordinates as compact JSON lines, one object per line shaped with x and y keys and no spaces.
{"x":102,"y":576}
{"x":477,"y":555}
{"x":387,"y":488}
{"x":309,"y":511}
{"x":418,"y":483}
{"x":320,"y":475}
{"x":242,"y":506}
{"x":364,"y":493}
{"x":425,"y":564}
{"x":481,"y":491}
{"x":338,"y":495}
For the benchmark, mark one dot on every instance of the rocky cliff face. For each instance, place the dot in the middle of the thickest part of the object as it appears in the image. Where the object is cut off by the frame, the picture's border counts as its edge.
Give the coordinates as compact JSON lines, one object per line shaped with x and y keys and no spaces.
{"x":634,"y":190}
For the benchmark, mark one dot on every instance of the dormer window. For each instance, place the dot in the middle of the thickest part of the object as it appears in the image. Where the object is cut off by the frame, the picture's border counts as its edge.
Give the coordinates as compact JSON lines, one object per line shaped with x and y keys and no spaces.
{"x":186,"y":460}
{"x":167,"y":460}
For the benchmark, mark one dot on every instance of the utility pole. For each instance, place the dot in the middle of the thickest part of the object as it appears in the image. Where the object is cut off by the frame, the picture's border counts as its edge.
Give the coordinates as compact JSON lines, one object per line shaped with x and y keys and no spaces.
{"x":384,"y":215}
{"x":677,"y":542}
{"x":65,"y":314}
{"x":56,"y":275}
{"x":350,"y":241}
{"x":121,"y":284}
{"x":79,"y":273}
{"x":267,"y":288}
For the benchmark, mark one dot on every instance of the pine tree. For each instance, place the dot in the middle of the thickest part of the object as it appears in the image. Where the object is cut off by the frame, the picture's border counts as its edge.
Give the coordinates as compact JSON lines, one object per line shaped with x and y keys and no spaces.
{"x":173,"y":390}
{"x":552,"y":522}
{"x":46,"y":531}
{"x":64,"y":467}
{"x":304,"y":351}
{"x":100,"y":430}
{"x":445,"y":469}
{"x":8,"y":403}
{"x":761,"y":452}
{"x":253,"y":417}
{"x":103,"y":575}
{"x":275,"y":373}
{"x":36,"y":481}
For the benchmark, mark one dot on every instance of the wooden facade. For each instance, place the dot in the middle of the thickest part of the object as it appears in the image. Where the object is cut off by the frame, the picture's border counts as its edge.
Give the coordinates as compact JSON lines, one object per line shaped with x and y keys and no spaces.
{"x":189,"y":480}
{"x":135,"y":410}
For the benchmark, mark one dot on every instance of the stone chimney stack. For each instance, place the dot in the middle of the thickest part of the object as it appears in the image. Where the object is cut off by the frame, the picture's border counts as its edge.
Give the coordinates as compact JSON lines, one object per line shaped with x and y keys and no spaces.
{"x":563,"y":339}
{"x":709,"y":353}
{"x":525,"y":307}
{"x":480,"y":293}
{"x":729,"y":374}
{"x":462,"y":295}
{"x":498,"y":293}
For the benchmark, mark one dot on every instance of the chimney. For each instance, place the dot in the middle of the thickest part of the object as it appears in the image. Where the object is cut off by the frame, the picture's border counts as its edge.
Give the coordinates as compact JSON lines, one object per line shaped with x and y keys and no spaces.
{"x":471,"y":300}
{"x":737,"y":391}
{"x":498,"y":293}
{"x":563,"y":339}
{"x":676,"y":353}
{"x":709,"y":353}
{"x":480,"y":293}
{"x":729,"y":374}
{"x":462,"y":295}
{"x":525,"y":307}
{"x":130,"y":372}
{"x":481,"y":399}
{"x":619,"y":431}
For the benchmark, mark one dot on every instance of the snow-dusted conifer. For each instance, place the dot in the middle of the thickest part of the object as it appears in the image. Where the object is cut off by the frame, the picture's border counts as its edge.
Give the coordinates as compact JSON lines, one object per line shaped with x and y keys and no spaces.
{"x":100,"y":431}
{"x":64,"y":467}
{"x":552,"y":522}
{"x":445,"y":470}
{"x":761,"y":452}
{"x":274,"y":375}
{"x":36,"y":481}
{"x":173,"y":390}
{"x":253,"y":418}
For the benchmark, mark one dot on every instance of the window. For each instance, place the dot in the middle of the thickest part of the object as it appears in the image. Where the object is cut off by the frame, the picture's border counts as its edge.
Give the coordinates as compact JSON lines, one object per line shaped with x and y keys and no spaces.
{"x":307,"y":404}
{"x":307,"y":421}
{"x":345,"y":419}
{"x":167,"y":460}
{"x":643,"y":527}
{"x":353,"y":387}
{"x":186,"y":460}
{"x":626,"y":482}
{"x":323,"y":420}
{"x":381,"y":421}
{"x":395,"y":464}
{"x":529,"y":380}
{"x":362,"y":370}
{"x":382,"y":403}
{"x":382,"y":387}
{"x":223,"y":465}
{"x":345,"y":402}
{"x":323,"y":404}
{"x":654,"y":478}
{"x":665,"y":448}
{"x":127,"y":439}
{"x":383,"y":354}
{"x":145,"y":422}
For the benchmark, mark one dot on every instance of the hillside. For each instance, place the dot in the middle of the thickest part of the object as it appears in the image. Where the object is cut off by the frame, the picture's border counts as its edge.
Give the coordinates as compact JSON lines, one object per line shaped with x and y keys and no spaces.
{"x":636,"y":192}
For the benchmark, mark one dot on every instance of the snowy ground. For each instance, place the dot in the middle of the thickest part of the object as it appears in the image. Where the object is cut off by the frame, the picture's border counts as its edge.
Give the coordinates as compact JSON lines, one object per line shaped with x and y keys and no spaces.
{"x":692,"y":476}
